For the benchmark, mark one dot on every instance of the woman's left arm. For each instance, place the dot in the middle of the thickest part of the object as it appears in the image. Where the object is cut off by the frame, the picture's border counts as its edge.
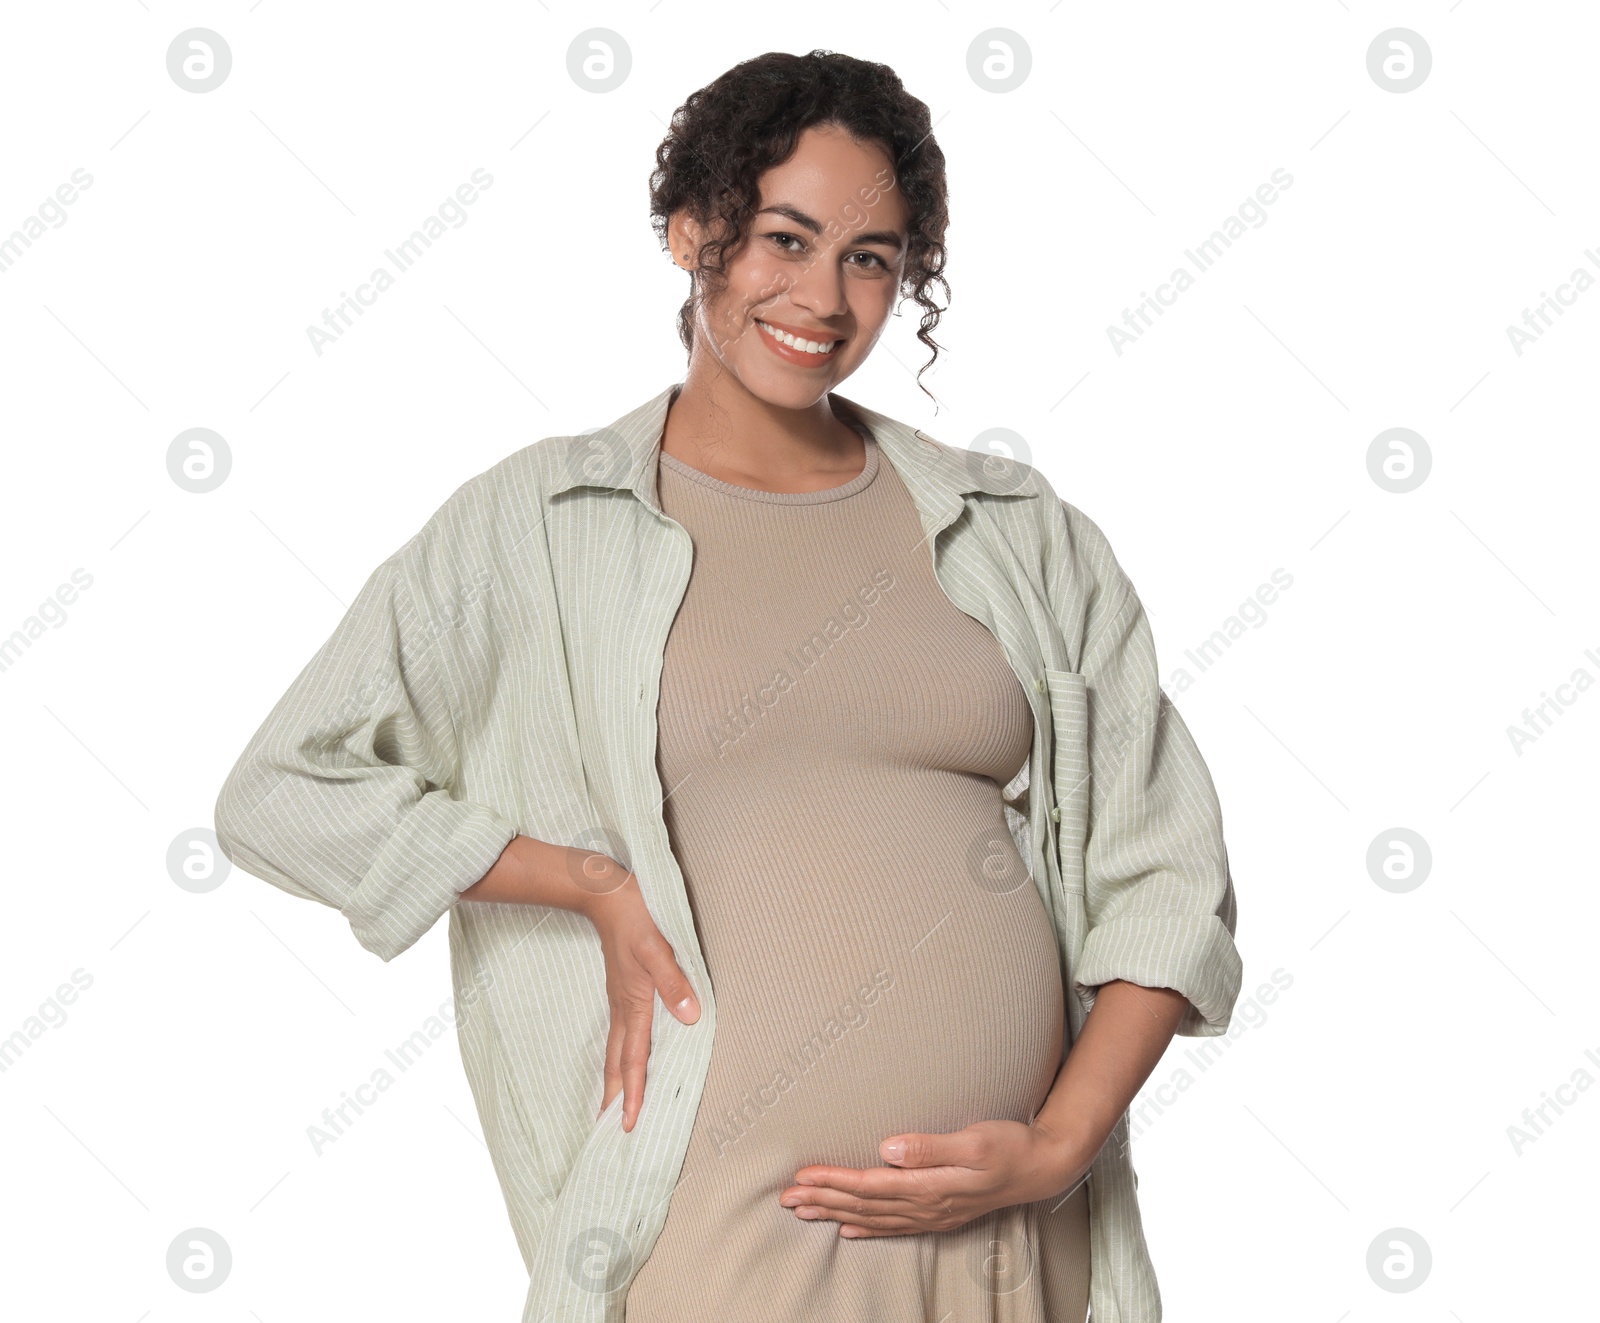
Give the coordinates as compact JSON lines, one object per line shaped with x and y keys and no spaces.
{"x":941,"y":1181}
{"x":1123,"y":1038}
{"x":1158,"y":956}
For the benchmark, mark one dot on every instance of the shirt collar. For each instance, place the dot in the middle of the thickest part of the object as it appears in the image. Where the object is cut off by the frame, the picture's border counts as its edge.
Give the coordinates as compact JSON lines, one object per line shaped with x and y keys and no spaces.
{"x":623,"y":455}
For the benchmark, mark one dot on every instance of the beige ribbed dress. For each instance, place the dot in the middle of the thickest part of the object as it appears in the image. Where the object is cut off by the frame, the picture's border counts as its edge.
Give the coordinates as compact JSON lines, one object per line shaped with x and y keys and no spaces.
{"x":834,"y":735}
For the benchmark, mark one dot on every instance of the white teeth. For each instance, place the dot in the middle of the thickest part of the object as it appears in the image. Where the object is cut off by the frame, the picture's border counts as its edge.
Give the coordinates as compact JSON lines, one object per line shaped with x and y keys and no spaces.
{"x":809,"y":346}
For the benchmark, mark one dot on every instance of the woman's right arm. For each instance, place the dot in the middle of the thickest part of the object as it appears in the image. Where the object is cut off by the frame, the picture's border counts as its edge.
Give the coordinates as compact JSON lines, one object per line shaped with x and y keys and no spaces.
{"x":345,"y":795}
{"x":639,"y":960}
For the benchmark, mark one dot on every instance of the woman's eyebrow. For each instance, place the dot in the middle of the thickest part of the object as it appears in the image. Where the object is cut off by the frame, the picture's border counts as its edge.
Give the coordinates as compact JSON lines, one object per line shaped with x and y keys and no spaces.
{"x":889,"y":238}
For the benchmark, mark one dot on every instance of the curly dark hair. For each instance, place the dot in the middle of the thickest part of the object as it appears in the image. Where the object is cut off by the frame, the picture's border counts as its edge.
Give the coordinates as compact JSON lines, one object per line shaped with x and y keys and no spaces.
{"x":749,"y":119}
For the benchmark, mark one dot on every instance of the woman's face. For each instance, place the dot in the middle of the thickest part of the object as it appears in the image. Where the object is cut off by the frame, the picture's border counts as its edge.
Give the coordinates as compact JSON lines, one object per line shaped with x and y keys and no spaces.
{"x":822,"y":261}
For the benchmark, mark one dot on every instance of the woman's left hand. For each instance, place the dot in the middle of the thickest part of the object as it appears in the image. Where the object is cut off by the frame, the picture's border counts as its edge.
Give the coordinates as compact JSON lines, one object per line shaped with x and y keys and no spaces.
{"x":942,"y":1181}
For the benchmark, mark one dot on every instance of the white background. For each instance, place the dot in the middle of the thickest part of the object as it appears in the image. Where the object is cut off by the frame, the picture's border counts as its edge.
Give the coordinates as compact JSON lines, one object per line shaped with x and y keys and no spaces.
{"x":1231,"y":440}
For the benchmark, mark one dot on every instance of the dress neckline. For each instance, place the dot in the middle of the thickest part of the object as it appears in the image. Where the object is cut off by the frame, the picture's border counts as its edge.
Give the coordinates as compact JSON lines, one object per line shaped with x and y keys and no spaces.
{"x":858,"y":483}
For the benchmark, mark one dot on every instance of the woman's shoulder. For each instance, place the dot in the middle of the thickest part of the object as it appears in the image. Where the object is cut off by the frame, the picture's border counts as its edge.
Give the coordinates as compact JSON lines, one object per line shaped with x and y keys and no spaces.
{"x":995,"y":472}
{"x":487,"y":515}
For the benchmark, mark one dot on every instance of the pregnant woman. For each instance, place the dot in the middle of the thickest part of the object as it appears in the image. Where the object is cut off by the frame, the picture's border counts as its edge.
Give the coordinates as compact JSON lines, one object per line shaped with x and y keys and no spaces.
{"x":835,"y":737}
{"x":934,"y":818}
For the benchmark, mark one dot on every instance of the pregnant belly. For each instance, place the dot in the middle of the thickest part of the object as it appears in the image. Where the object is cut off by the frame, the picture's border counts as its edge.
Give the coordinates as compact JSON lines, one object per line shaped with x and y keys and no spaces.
{"x":898,"y":986}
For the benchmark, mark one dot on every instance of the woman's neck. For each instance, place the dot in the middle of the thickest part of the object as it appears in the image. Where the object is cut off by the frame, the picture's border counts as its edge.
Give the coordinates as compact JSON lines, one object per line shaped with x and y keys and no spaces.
{"x":716,"y":425}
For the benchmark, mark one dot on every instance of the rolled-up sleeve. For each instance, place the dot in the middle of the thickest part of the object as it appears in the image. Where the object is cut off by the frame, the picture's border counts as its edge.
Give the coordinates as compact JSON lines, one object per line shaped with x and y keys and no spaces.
{"x":1158,"y":891}
{"x":346,"y":793}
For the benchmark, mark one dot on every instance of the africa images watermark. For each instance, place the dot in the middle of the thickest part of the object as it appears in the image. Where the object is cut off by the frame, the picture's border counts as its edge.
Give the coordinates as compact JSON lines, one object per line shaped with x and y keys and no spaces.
{"x":1157,"y":1096}
{"x":337,"y":1120}
{"x":51,"y":1014}
{"x":403,"y":256}
{"x":51,"y":613}
{"x":51,"y":214}
{"x":736,"y":723}
{"x":1537,"y":320}
{"x":852,"y":219}
{"x":736,"y":1122}
{"x":1537,"y":1120}
{"x":1251,"y":614}
{"x":1538,"y":720}
{"x":1203,"y":256}
{"x":363,"y":698}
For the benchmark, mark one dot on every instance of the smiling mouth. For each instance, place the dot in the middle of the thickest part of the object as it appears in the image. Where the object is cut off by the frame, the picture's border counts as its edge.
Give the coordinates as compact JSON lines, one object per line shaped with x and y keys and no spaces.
{"x":798,"y":345}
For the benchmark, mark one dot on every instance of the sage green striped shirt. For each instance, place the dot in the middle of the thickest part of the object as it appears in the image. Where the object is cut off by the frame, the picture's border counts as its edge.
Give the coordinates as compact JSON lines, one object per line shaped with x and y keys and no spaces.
{"x":498,"y":674}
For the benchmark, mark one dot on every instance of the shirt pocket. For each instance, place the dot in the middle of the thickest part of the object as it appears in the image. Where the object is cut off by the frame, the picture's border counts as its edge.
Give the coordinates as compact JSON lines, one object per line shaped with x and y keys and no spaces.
{"x":1069,"y":720}
{"x":514,"y":1133}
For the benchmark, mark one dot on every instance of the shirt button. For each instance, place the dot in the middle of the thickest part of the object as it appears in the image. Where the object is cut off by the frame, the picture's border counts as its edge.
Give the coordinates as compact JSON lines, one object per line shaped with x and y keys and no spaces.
{"x":1055,"y":814}
{"x":1042,"y":685}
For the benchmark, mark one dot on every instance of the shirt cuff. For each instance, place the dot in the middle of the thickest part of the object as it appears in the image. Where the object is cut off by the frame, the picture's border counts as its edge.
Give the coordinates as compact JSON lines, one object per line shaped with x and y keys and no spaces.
{"x":440,"y":848}
{"x":1193,"y":954}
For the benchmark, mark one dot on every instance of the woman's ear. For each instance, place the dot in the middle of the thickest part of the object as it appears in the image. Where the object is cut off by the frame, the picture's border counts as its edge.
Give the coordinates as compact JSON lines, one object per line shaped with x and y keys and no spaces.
{"x":683,"y":240}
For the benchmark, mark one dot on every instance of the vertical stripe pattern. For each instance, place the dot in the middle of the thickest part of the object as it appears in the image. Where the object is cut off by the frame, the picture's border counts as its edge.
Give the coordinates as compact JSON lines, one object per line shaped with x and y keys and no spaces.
{"x":499,"y":674}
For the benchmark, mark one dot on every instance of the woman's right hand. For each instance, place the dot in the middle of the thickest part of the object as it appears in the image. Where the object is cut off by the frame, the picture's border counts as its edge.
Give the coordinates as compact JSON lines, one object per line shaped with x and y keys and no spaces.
{"x":639,"y":962}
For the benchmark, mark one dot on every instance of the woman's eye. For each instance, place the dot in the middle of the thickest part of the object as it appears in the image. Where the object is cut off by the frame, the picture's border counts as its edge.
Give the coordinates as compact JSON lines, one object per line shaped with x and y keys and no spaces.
{"x":782,"y":239}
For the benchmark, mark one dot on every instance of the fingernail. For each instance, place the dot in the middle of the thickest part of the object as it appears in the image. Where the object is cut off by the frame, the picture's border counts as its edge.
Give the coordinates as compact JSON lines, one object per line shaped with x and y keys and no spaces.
{"x":894,"y":1150}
